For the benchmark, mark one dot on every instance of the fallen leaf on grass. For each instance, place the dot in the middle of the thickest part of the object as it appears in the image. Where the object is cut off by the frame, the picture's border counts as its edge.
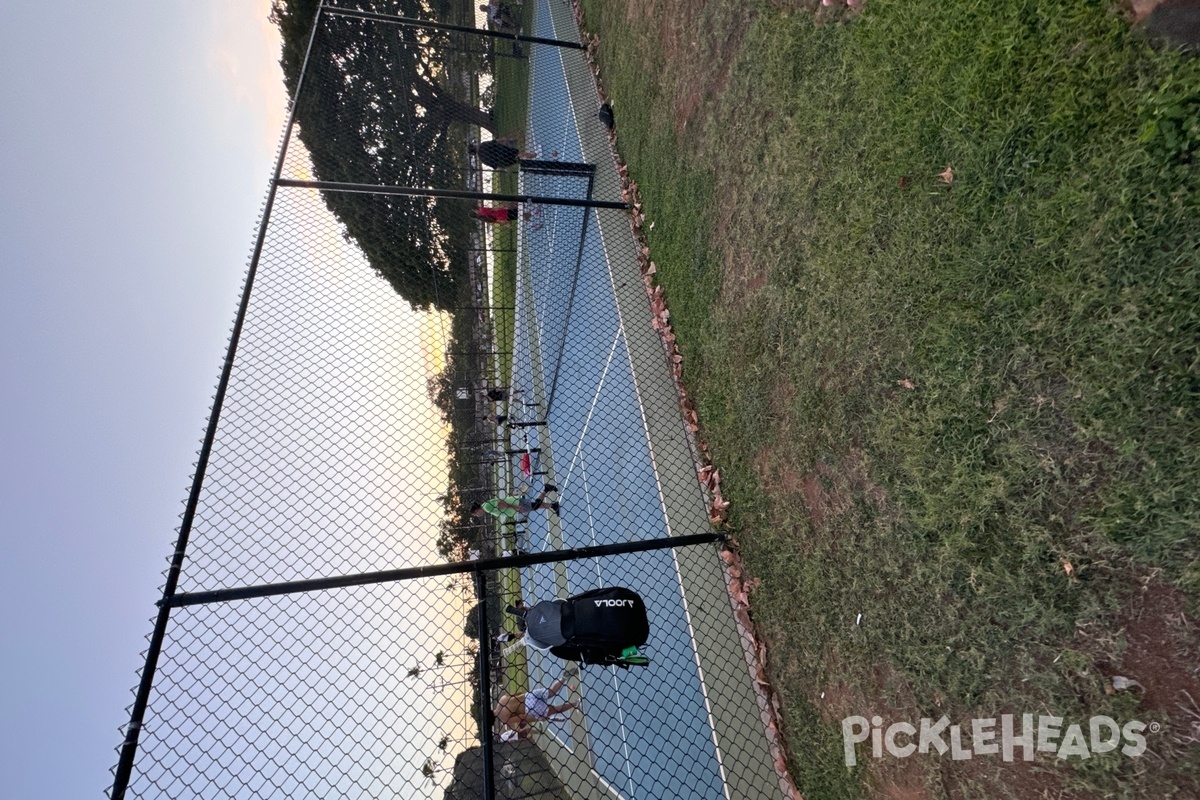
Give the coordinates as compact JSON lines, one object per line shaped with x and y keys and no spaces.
{"x":743,"y":616}
{"x":947,"y":176}
{"x":1068,"y":568}
{"x":906,"y":383}
{"x":1122,"y":684}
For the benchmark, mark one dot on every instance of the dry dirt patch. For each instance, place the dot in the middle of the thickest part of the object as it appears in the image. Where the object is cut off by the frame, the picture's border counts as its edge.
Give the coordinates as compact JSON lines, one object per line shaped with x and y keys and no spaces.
{"x":1163,"y":655}
{"x":697,"y":58}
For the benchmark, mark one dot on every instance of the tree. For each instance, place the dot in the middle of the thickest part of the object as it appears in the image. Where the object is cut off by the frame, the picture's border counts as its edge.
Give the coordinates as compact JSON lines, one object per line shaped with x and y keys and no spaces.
{"x":471,"y":623}
{"x":388,"y":105}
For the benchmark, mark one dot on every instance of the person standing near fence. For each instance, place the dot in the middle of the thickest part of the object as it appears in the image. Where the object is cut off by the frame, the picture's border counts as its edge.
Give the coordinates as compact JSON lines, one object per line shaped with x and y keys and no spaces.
{"x":499,"y":215}
{"x":512,"y":505}
{"x":501,"y":15}
{"x":495,"y":393}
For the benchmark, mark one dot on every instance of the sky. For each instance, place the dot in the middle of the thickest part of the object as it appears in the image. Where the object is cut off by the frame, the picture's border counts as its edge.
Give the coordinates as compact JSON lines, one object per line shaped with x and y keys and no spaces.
{"x":136,"y":144}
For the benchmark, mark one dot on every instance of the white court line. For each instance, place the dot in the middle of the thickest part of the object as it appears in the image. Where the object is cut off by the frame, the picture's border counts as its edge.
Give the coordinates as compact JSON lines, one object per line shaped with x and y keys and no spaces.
{"x":527,"y":336}
{"x":611,"y":789}
{"x":592,"y":410}
{"x":621,"y":720}
{"x":587,"y":502}
{"x":567,"y":83}
{"x":612,"y":670}
{"x":620,"y":333}
{"x":712,"y":726}
{"x":654,"y":462}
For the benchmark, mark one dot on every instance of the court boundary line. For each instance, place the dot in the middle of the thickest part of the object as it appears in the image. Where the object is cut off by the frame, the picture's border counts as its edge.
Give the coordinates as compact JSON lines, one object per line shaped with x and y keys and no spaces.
{"x":592,"y":410}
{"x":566,"y":765}
{"x":641,"y":404}
{"x":754,"y":774}
{"x":622,"y":334}
{"x":554,"y":534}
{"x":581,"y":731}
{"x":666,"y":518}
{"x":612,"y":670}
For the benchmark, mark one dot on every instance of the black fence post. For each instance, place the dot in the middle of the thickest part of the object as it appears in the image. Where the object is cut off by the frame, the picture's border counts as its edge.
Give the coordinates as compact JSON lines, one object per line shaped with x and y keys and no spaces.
{"x":449,"y":194}
{"x":485,"y":690}
{"x":444,"y":26}
{"x":433,"y":570}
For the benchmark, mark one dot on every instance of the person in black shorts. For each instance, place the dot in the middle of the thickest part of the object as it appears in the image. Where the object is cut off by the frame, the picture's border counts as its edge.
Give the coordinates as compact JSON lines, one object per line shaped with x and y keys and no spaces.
{"x":498,"y":153}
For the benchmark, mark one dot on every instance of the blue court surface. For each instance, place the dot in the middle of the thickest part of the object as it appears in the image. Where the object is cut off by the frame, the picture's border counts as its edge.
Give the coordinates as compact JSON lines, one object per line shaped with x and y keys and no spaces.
{"x":647,"y":731}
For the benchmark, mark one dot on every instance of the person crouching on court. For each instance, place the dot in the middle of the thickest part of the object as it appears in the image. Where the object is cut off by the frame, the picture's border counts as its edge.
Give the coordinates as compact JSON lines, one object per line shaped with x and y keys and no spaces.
{"x":513,"y":505}
{"x":517,"y":710}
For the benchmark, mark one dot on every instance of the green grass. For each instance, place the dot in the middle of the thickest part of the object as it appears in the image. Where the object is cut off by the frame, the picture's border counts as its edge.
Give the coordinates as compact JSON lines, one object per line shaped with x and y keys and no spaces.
{"x":1046,"y":308}
{"x":511,"y":112}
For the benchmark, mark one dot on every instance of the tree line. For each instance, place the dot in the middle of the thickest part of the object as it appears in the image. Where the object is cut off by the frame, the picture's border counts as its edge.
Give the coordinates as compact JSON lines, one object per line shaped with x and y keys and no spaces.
{"x":391,"y":105}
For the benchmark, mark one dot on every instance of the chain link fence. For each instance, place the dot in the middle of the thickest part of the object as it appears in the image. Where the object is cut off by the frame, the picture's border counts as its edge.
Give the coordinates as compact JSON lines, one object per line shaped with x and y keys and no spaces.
{"x":444,"y":415}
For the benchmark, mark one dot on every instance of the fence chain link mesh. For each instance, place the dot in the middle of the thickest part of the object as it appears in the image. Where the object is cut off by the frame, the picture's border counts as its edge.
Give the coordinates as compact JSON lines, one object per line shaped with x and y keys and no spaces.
{"x":433,"y":419}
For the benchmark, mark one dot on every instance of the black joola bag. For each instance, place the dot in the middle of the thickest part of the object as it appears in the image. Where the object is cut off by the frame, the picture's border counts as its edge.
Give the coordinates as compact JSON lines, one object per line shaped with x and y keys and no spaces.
{"x":601,"y":626}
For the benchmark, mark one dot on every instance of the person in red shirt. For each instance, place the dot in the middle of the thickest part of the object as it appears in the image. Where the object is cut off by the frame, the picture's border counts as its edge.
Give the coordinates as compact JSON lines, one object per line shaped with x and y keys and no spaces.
{"x":501,"y":215}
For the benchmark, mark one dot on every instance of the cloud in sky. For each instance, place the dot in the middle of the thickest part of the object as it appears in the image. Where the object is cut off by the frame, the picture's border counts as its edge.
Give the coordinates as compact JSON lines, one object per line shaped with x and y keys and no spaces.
{"x":243,"y":56}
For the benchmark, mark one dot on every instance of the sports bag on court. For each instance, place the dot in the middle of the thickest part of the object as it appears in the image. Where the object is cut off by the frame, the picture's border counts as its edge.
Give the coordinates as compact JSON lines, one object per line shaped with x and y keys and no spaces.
{"x":601,"y":626}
